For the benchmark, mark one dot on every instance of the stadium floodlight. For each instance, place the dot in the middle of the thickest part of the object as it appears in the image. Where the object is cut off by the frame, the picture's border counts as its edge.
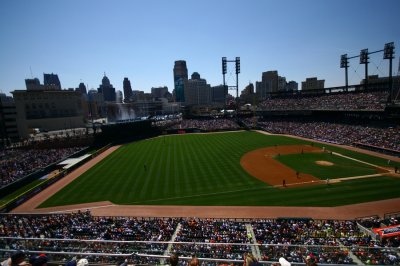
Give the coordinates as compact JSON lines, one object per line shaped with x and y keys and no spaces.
{"x":343,"y":61}
{"x":223,"y":65}
{"x":364,"y":56}
{"x":388,"y":51}
{"x":237,"y":63}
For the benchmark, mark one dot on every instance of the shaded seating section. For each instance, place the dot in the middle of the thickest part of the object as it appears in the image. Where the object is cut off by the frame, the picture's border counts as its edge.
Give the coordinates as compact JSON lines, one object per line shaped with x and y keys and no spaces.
{"x":328,"y":241}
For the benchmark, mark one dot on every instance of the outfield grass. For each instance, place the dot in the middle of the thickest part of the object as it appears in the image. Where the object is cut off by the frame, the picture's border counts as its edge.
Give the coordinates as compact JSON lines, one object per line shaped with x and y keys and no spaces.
{"x":204,"y":169}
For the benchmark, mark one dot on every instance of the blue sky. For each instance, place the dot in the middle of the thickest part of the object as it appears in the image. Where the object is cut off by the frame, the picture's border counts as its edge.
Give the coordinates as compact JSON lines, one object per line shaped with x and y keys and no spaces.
{"x":81,"y":39}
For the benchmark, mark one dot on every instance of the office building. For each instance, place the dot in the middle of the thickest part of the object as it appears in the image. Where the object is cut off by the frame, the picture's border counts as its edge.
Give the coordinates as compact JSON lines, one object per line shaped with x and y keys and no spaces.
{"x":107,"y":89}
{"x":97,"y":108}
{"x":247,"y":95}
{"x":219,"y":94}
{"x":51,"y":81}
{"x":271,"y":78}
{"x":180,"y":77}
{"x":160,"y":92}
{"x":33,"y":84}
{"x":48,"y":110}
{"x":127,"y":90}
{"x":312,"y":84}
{"x":269,"y":84}
{"x":292,"y":86}
{"x":281,"y":84}
{"x":82,"y":88}
{"x":197,"y":91}
{"x":8,"y":120}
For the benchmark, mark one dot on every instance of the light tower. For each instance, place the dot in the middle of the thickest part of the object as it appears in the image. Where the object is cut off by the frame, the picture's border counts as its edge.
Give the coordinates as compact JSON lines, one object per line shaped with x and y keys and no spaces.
{"x":364,"y":61}
{"x":237,"y":71}
{"x":344,"y":63}
{"x":388,"y":53}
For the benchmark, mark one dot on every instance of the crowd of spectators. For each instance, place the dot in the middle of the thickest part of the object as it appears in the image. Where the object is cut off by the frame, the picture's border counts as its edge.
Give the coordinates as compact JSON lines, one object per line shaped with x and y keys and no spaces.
{"x":285,"y":233}
{"x":382,"y":137}
{"x":342,"y":101}
{"x":207,"y":124}
{"x":213,"y":231}
{"x":328,"y":241}
{"x":17,"y":163}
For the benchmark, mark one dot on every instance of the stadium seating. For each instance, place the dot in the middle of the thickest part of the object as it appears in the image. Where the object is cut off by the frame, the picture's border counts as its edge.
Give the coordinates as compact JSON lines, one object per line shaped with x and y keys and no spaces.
{"x":146,"y":240}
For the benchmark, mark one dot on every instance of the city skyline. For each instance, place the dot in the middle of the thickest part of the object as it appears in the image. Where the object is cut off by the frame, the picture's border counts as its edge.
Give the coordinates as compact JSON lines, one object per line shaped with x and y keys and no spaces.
{"x":141,"y":40}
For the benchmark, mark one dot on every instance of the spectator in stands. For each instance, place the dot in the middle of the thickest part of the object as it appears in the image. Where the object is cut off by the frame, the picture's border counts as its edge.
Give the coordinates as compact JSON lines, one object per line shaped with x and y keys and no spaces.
{"x":82,"y":262}
{"x":284,"y":262}
{"x":17,"y":163}
{"x":311,"y":260}
{"x":288,"y":238}
{"x":40,"y":260}
{"x":335,"y":101}
{"x":207,"y":124}
{"x":16,"y":259}
{"x":249,"y":259}
{"x":124,"y":263}
{"x":173,"y":259}
{"x":71,"y":262}
{"x":194,"y":262}
{"x":348,"y":134}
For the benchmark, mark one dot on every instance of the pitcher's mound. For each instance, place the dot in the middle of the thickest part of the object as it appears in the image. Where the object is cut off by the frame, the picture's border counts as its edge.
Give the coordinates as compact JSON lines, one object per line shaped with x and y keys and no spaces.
{"x":324,"y":163}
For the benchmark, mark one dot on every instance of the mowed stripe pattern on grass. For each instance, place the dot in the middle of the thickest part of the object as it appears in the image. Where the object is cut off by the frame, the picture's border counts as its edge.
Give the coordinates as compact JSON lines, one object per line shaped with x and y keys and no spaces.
{"x":195,"y":169}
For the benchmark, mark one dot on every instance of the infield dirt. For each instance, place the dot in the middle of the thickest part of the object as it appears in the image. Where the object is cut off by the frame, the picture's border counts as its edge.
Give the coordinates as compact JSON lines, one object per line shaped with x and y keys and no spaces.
{"x":261,"y":164}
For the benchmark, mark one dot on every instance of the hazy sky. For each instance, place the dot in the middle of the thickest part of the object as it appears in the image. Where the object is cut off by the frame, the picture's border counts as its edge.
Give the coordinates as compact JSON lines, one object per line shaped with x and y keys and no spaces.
{"x":81,"y":39}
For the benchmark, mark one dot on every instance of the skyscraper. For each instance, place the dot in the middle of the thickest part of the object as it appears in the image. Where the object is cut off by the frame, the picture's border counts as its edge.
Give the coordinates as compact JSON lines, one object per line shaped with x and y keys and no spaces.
{"x":271,"y":78}
{"x":197,"y":91}
{"x":33,"y":84}
{"x":82,"y":88}
{"x":160,"y":92}
{"x":127,"y":90}
{"x":180,"y":77}
{"x":107,"y":90}
{"x":219,"y":93}
{"x":51,"y":80}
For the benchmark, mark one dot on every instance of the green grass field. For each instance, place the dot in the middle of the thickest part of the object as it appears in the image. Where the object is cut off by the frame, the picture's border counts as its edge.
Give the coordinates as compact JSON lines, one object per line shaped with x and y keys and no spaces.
{"x":204,"y":169}
{"x":342,"y":167}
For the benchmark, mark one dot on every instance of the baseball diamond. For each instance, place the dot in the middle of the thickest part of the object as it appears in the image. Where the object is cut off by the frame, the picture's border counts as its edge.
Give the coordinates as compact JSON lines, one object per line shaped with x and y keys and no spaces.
{"x":225,"y":169}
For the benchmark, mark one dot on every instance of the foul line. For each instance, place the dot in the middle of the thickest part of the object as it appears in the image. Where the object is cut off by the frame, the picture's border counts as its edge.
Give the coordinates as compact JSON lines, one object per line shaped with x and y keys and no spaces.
{"x":350,"y":158}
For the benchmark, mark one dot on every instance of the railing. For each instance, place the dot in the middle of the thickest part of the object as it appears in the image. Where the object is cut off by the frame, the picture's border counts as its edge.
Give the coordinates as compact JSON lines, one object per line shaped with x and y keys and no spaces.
{"x":155,"y":252}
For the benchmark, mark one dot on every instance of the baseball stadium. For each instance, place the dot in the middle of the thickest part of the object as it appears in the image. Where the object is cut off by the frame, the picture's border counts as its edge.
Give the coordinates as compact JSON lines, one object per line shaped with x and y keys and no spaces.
{"x":311,"y":178}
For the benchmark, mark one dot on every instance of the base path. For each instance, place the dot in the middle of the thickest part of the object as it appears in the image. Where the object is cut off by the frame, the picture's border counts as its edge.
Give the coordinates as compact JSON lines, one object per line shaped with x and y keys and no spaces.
{"x":109,"y":209}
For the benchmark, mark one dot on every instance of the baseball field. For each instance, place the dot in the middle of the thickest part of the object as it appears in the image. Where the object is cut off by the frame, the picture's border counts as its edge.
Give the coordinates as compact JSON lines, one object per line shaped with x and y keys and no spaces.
{"x":232,"y":169}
